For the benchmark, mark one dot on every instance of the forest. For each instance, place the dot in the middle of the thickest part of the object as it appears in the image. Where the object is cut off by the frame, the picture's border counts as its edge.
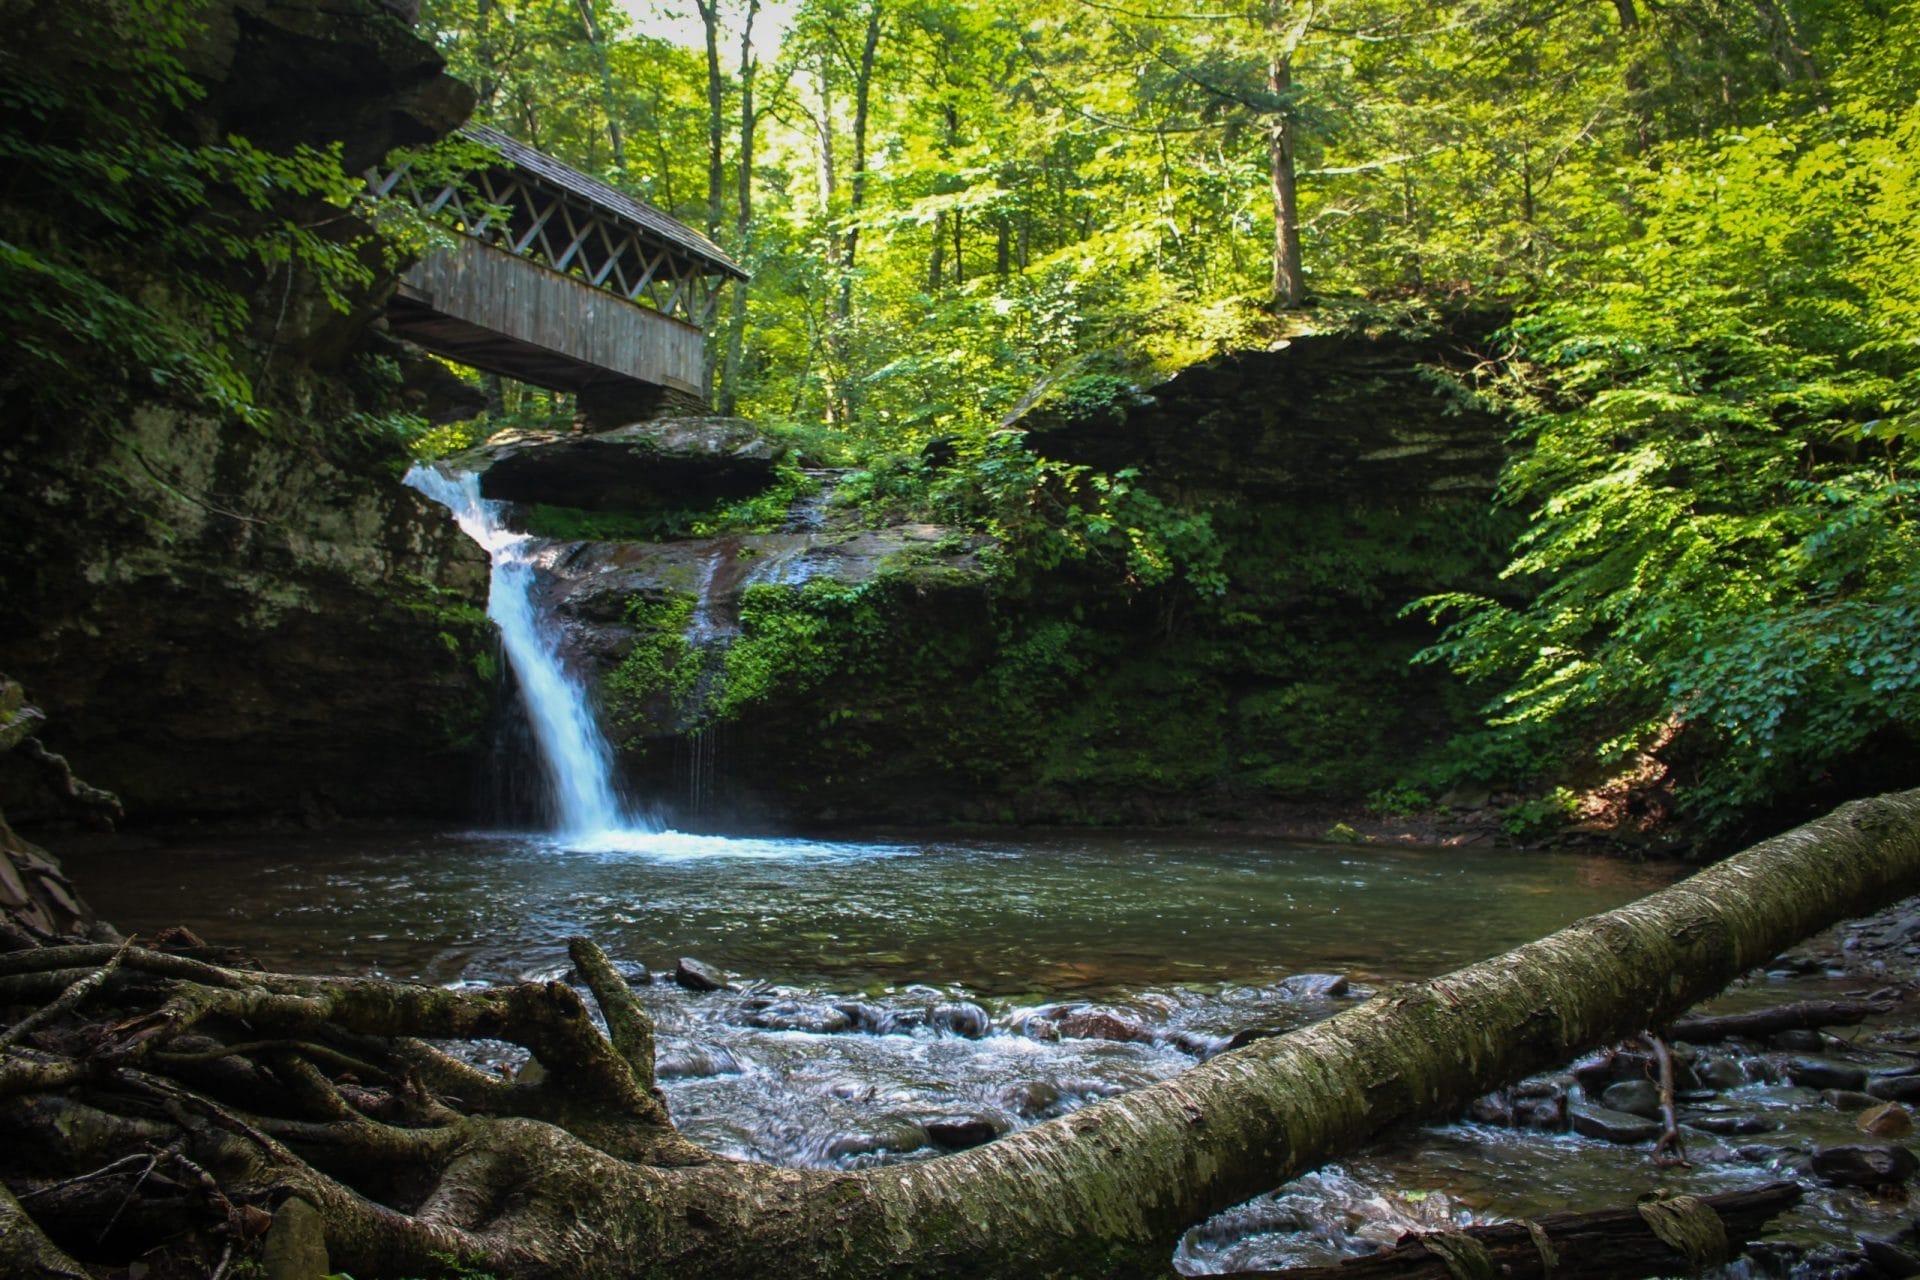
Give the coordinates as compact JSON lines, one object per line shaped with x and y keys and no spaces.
{"x":1199,"y":524}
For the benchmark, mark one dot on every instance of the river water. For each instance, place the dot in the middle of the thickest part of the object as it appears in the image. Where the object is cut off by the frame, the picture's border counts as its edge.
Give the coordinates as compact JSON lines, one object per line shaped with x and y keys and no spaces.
{"x":903,"y":995}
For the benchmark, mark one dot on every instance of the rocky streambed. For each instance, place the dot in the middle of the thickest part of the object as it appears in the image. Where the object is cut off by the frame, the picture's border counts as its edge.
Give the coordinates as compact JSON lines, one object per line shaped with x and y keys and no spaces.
{"x":803,"y":1077}
{"x":850,"y":1004}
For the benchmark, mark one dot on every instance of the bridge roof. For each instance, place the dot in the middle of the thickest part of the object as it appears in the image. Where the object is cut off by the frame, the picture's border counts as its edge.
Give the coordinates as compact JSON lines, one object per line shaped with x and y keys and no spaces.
{"x":610,"y":201}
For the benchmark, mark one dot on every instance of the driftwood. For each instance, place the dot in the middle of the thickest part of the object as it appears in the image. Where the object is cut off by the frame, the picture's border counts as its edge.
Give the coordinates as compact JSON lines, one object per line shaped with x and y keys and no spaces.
{"x":1604,"y":1244}
{"x":1802,"y":1015}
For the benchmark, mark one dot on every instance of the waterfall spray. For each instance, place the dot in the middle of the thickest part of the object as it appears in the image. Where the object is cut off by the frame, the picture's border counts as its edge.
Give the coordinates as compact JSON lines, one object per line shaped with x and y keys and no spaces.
{"x":578,"y":761}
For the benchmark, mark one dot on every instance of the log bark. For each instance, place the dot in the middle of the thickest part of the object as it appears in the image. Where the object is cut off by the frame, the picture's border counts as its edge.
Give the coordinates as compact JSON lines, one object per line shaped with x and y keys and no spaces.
{"x":581,"y":1176}
{"x":1599,"y":1245}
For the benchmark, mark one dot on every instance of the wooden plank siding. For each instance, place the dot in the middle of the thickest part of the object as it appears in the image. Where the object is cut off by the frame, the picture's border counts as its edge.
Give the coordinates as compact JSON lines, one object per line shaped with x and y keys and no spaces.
{"x":495,"y":300}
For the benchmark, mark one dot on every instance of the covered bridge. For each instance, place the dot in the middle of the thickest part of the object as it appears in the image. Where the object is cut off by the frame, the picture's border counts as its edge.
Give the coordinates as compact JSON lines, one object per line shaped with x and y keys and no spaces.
{"x":558,"y":279}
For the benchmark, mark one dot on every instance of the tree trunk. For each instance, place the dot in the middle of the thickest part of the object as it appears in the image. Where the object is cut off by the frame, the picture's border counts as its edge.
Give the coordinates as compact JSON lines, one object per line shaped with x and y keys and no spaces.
{"x":742,"y":216}
{"x":716,"y":116}
{"x":609,"y":100}
{"x":1289,"y":275}
{"x":580,"y":1175}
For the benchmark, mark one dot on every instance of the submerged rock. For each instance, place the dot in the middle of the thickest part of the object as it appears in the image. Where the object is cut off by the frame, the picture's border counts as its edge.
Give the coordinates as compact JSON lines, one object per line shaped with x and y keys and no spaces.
{"x":897,"y":1137}
{"x":1893,"y":1087}
{"x":1731,"y":1125}
{"x":961,"y":1131}
{"x":1888,"y":1120}
{"x":1315,"y":986}
{"x":1608,"y":1125}
{"x":1030,"y":1098}
{"x":1635,"y":1097}
{"x":963,"y":1018}
{"x":1823,"y":1073}
{"x":694,"y":1061}
{"x":1095,"y":1023}
{"x":796,"y":1015}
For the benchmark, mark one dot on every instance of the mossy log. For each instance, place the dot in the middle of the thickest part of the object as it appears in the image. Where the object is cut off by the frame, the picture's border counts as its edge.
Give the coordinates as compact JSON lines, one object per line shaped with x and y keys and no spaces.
{"x":223,"y":1093}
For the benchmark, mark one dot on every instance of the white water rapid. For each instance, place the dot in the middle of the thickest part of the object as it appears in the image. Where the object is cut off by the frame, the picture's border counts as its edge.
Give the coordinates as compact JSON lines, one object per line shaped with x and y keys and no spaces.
{"x":578,"y":761}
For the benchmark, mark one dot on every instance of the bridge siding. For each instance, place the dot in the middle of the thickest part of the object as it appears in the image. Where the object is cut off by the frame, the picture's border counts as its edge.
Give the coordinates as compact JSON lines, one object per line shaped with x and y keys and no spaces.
{"x":528,"y":302}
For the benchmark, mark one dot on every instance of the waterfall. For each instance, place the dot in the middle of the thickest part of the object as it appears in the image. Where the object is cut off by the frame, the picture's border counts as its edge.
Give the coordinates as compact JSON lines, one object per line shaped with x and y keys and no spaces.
{"x":579,"y":763}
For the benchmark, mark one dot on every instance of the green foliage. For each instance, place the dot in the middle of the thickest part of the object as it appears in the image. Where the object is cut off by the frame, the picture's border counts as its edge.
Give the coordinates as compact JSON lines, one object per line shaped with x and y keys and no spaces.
{"x":1720,"y":530}
{"x":1398,"y":801}
{"x":124,"y":245}
{"x":792,"y":640}
{"x":1541,"y":816}
{"x":1044,"y":513}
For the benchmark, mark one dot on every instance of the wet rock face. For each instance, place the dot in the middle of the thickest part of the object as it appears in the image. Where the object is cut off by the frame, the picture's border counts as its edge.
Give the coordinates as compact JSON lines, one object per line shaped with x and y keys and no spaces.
{"x":683,"y":462}
{"x":275,"y":631}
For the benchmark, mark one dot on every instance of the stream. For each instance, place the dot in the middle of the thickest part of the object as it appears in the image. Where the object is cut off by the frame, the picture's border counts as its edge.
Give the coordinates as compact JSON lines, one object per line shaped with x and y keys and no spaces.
{"x":904,"y":995}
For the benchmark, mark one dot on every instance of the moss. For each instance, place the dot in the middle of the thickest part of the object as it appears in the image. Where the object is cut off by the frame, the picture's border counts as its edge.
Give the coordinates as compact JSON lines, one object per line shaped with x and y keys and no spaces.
{"x":656,"y":682}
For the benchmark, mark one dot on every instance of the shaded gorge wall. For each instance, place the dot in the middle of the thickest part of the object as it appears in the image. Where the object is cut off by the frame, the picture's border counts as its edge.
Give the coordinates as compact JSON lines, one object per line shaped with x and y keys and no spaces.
{"x":844,"y":666}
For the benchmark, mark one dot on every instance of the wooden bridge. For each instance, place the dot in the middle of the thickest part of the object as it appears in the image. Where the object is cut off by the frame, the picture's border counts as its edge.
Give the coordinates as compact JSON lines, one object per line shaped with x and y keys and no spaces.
{"x":558,"y":279}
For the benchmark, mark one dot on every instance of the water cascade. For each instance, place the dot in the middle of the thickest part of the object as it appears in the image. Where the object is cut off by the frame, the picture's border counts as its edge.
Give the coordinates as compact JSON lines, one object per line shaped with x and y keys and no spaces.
{"x":578,"y":761}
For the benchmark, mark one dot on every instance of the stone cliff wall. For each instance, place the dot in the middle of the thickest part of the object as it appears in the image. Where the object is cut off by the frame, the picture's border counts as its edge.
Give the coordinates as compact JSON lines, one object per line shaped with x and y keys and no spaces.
{"x":1342,"y":475}
{"x":228,"y":619}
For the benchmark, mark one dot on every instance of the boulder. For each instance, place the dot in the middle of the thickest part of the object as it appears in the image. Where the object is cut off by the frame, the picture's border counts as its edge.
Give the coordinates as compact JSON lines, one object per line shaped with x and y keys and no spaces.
{"x":674,"y":462}
{"x":695,"y":975}
{"x":1864,"y":1166}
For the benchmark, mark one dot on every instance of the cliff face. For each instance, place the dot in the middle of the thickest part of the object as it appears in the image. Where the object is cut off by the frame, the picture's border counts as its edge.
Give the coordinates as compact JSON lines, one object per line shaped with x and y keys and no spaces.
{"x":1339,"y":478}
{"x":228,"y":619}
{"x":1342,"y":477}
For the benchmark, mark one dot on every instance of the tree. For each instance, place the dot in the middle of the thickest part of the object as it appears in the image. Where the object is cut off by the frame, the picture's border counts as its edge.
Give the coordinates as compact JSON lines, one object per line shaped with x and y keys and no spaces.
{"x":326,"y":1099}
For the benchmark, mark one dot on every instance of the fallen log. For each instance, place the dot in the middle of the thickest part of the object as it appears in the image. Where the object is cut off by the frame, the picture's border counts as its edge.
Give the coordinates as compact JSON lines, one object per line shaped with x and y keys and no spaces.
{"x":1605,"y":1244}
{"x":1758,"y":1024}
